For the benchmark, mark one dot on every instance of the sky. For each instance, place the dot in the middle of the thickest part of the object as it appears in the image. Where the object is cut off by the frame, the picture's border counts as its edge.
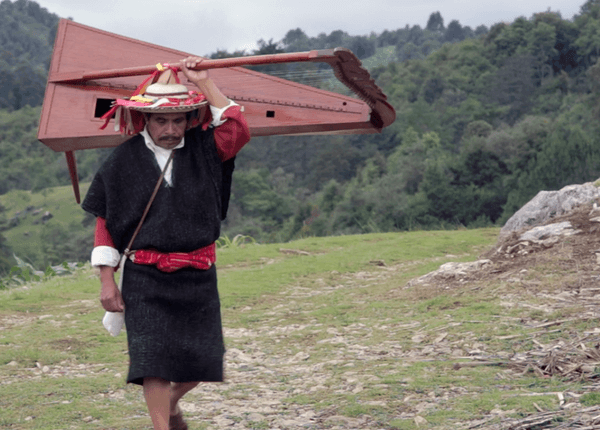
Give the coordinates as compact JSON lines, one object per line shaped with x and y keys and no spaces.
{"x":202,"y":27}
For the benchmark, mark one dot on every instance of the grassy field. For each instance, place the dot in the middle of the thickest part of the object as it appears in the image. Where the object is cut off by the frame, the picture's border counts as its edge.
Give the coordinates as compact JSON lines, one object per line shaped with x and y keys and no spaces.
{"x":27,"y":237}
{"x":321,"y":334}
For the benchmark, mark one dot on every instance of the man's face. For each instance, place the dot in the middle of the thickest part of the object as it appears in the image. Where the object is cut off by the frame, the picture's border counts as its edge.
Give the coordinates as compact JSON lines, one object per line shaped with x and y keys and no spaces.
{"x":166,"y":129}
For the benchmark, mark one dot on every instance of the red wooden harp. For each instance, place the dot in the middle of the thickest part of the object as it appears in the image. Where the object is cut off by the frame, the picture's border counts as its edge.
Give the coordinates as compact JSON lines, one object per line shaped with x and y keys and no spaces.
{"x":79,"y":92}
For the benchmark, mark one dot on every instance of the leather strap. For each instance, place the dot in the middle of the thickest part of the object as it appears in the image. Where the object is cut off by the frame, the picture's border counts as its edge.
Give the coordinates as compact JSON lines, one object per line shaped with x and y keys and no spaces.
{"x":152,"y":197}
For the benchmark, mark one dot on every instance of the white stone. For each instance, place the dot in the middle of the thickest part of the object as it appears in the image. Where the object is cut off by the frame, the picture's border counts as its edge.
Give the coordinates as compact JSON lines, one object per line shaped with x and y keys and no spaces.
{"x":546,"y":231}
{"x":420,"y":421}
{"x":548,"y":204}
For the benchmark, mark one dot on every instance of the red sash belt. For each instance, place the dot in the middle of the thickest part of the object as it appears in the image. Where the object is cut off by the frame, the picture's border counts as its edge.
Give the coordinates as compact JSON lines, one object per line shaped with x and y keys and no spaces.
{"x":202,"y":258}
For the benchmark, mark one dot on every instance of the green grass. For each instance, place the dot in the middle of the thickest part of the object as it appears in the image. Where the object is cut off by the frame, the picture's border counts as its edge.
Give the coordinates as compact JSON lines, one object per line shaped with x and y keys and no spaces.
{"x":59,"y":201}
{"x":264,"y":269}
{"x":330,"y":333}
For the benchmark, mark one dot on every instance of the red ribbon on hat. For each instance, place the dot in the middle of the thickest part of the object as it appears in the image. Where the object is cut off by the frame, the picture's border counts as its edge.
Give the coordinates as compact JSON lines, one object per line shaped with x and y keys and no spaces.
{"x":139,"y":90}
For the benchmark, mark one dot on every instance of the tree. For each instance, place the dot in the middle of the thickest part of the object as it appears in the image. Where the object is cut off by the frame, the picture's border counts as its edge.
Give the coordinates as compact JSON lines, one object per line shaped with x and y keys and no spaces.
{"x":588,"y":42}
{"x":415,"y":35}
{"x":590,"y":7}
{"x":569,"y":157}
{"x":433,"y":89}
{"x":335,"y":39}
{"x":541,"y":43}
{"x":270,"y":47}
{"x":454,"y":32}
{"x":513,"y":85}
{"x":296,"y":40}
{"x":481,"y":30}
{"x":257,"y":198}
{"x":362,"y":46}
{"x":478,"y":128}
{"x":429,"y":46}
{"x":222,"y":53}
{"x":388,"y":38}
{"x":5,"y":253}
{"x":508,"y":40}
{"x":435,"y":23}
{"x":408,"y":51}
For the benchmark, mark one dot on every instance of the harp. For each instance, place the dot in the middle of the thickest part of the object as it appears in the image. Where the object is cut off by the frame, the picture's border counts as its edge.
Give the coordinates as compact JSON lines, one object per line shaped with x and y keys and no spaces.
{"x":90,"y":68}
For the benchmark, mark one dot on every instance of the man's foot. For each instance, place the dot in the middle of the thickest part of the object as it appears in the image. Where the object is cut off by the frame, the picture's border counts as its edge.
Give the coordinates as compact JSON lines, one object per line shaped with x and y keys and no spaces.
{"x":176,"y":422}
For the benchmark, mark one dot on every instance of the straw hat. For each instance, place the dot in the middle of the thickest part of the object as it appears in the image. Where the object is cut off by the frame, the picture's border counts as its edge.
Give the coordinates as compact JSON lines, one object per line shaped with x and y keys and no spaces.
{"x":162,"y":92}
{"x":167,"y":98}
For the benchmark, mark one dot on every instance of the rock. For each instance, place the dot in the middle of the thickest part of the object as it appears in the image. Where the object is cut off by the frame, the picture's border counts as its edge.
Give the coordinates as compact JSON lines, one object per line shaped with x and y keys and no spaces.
{"x":452,"y":270}
{"x":255,"y":417}
{"x":293,"y":251}
{"x":548,"y":204}
{"x":223,"y":421}
{"x":546,"y":231}
{"x":47,"y":216}
{"x":420,"y":421}
{"x":13,"y":222}
{"x":380,"y":263}
{"x":301,"y":356}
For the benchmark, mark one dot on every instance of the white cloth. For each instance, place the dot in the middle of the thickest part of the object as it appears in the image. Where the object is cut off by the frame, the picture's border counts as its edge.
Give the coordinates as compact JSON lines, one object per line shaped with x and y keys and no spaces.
{"x":217,"y":113}
{"x":161,"y":154}
{"x":105,"y":256}
{"x":114,"y":321}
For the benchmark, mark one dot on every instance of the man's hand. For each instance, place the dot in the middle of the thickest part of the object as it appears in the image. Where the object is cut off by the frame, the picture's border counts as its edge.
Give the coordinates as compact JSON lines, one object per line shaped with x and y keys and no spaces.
{"x":110,"y":296}
{"x":193,"y":75}
{"x":205,"y":84}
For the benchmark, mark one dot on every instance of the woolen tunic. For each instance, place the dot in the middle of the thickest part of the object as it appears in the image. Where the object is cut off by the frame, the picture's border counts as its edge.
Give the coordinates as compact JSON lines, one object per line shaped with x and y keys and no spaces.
{"x":173,"y":320}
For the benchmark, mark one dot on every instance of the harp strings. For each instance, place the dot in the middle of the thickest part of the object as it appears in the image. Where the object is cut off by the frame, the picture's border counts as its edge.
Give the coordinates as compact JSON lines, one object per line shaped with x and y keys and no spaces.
{"x":317,"y":78}
{"x":320,"y":78}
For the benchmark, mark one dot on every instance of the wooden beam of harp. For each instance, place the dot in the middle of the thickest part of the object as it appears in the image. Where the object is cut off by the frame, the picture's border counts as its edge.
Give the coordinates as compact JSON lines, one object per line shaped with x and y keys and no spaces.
{"x":324,"y":55}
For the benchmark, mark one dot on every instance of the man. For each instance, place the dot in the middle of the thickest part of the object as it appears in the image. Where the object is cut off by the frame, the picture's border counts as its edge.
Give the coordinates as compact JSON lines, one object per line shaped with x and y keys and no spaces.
{"x":169,"y":285}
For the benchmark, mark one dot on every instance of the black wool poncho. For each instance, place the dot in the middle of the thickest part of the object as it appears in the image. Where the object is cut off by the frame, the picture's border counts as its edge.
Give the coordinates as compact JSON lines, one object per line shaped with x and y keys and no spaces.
{"x":173,"y":320}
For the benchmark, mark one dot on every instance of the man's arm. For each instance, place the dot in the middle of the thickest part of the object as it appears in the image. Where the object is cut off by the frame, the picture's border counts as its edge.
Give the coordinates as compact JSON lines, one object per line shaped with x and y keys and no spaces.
{"x":110,"y":296}
{"x":232,"y":132}
{"x":205,"y":84}
{"x":106,"y":258}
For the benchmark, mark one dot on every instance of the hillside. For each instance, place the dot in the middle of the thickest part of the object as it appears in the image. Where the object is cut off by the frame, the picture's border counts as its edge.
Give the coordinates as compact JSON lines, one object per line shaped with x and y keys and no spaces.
{"x":47,"y":227}
{"x":329,"y":333}
{"x":486,"y":118}
{"x":27,"y":35}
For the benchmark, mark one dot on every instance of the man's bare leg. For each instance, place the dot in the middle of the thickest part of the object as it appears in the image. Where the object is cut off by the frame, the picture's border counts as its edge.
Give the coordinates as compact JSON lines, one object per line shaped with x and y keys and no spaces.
{"x":157,"y":392}
{"x":178,"y":390}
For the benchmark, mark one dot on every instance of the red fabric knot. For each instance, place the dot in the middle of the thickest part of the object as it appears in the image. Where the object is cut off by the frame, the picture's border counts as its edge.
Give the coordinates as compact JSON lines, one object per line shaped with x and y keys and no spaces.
{"x":201,"y":259}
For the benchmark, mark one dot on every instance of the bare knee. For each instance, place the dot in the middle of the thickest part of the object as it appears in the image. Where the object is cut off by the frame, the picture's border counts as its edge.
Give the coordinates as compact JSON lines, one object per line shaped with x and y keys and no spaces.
{"x":184,"y":385}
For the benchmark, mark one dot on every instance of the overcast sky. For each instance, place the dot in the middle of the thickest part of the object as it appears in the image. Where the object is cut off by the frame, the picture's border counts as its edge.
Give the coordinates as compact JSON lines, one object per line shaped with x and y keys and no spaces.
{"x":202,"y":26}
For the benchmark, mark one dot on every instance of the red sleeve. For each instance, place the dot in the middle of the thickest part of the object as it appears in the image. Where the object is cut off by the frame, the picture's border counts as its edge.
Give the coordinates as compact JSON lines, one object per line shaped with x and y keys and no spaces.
{"x":102,"y":236}
{"x":233,"y":134}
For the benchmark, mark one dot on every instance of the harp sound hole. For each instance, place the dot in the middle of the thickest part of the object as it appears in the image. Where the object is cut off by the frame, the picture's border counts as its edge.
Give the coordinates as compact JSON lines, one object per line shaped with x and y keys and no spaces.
{"x":270,"y":114}
{"x":102,"y":106}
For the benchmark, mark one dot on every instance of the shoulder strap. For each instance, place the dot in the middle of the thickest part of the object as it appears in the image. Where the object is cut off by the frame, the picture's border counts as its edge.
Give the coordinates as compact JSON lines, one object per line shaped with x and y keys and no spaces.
{"x":152,"y":197}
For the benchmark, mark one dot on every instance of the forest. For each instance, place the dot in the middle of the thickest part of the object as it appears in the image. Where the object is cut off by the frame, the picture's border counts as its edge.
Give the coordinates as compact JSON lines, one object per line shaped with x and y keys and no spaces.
{"x":486,"y":118}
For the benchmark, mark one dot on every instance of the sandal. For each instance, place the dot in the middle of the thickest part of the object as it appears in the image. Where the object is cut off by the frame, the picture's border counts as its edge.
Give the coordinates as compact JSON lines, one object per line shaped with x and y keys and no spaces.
{"x":176,"y":422}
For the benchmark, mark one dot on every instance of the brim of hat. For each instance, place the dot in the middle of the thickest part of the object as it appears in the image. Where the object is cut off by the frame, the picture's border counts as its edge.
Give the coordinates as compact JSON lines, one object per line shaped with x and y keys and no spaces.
{"x":169,"y":109}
